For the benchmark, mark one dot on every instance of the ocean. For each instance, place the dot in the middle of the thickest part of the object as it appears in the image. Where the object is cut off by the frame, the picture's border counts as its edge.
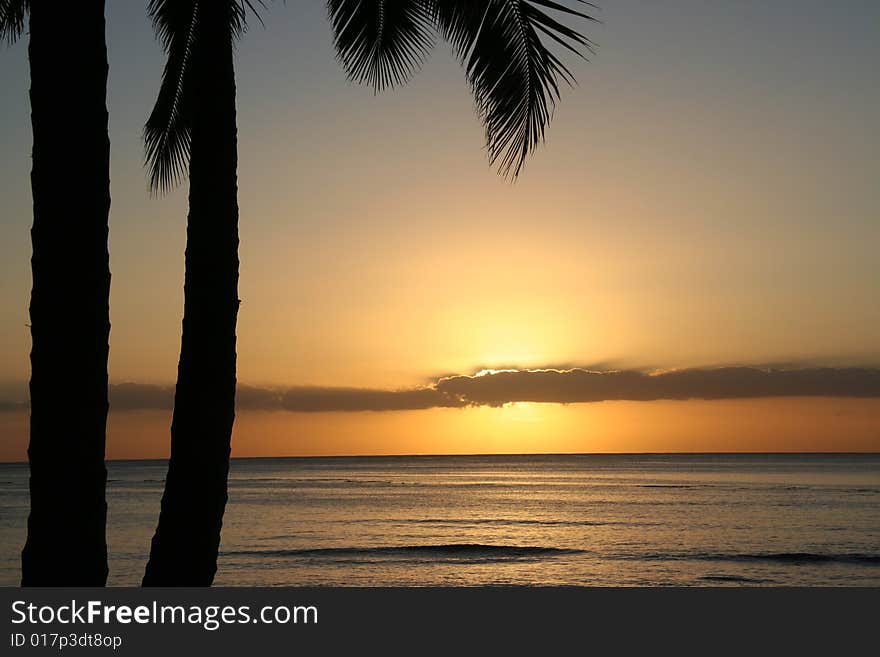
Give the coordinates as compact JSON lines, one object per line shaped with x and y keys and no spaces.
{"x":593,"y":520}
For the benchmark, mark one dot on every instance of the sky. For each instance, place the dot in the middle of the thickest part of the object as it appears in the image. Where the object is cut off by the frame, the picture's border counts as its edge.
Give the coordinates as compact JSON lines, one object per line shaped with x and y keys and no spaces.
{"x":707,"y":198}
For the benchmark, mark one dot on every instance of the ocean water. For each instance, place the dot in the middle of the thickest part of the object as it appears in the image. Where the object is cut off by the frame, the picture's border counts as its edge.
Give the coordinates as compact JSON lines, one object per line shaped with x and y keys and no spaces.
{"x":599,"y":520}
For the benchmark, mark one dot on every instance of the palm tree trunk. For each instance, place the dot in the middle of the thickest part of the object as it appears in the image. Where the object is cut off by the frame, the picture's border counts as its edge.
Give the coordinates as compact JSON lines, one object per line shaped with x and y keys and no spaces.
{"x":187,"y":539}
{"x":70,"y":321}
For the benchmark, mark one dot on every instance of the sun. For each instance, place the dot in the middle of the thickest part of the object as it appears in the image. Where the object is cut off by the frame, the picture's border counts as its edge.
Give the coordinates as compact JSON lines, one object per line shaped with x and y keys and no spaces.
{"x":488,"y":372}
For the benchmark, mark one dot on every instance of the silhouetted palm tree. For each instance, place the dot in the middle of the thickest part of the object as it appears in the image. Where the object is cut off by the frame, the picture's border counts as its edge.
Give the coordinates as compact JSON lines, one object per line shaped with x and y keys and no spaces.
{"x":70,"y":322}
{"x":514,"y":77}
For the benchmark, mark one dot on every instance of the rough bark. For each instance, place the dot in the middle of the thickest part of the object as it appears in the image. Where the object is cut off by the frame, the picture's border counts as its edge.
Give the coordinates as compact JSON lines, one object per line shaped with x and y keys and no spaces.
{"x":186,"y":543}
{"x":69,"y":309}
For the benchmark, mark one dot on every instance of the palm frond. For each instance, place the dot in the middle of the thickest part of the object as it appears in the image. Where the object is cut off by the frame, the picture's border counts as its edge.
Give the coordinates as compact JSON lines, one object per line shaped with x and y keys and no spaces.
{"x":238,"y":10}
{"x":168,"y":131}
{"x":513,"y":74}
{"x":381,"y":42}
{"x":12,"y":15}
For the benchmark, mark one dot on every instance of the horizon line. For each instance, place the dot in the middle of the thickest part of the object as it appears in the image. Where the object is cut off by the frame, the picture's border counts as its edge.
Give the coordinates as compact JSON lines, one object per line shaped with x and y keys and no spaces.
{"x":483,"y":454}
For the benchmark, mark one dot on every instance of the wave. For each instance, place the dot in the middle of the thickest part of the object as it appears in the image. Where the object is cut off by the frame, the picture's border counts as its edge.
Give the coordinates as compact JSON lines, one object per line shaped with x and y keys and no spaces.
{"x":794,"y":558}
{"x":736,"y":578}
{"x":813,"y":557}
{"x":494,"y":552}
{"x":508,"y":521}
{"x":448,"y":550}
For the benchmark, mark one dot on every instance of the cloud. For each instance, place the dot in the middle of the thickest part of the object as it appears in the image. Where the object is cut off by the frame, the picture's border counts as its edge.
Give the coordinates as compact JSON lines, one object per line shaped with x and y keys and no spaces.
{"x":496,"y":388}
{"x":310,"y":399}
{"x":13,"y":396}
{"x":581,"y":385}
{"x":305,"y":399}
{"x":140,"y":396}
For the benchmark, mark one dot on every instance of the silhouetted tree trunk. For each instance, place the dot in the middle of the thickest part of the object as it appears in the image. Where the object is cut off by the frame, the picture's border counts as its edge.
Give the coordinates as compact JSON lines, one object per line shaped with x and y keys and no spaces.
{"x":70,"y":322}
{"x":187,"y":539}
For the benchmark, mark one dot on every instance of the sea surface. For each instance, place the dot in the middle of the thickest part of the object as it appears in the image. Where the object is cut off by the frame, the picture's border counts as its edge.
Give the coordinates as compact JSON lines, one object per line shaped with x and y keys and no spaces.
{"x":598,"y":520}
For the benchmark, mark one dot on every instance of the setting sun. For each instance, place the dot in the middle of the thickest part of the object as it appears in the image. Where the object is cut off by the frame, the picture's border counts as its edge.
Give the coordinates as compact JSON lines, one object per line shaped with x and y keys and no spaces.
{"x":459,"y":293}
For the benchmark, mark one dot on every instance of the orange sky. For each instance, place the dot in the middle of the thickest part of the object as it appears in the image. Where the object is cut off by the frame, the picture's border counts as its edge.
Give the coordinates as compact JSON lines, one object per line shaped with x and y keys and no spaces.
{"x":706,"y":196}
{"x":774,"y":425}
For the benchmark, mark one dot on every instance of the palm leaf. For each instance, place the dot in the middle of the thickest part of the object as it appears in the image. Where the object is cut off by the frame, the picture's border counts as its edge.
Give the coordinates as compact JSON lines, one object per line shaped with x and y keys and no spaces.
{"x":513,"y":74}
{"x":381,"y":42}
{"x":168,"y":131}
{"x":12,"y":15}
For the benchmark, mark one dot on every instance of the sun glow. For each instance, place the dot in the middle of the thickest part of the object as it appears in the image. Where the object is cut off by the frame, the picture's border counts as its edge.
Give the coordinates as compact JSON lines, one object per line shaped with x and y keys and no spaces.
{"x":486,"y":372}
{"x":528,"y":412}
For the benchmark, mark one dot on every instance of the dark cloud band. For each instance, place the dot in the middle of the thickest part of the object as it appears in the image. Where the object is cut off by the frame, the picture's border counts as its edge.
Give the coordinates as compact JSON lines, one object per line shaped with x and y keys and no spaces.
{"x":580,"y":385}
{"x":570,"y":386}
